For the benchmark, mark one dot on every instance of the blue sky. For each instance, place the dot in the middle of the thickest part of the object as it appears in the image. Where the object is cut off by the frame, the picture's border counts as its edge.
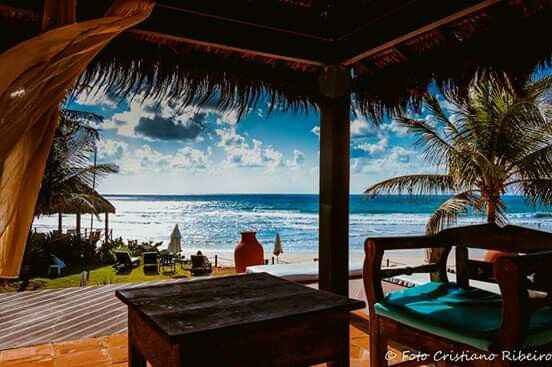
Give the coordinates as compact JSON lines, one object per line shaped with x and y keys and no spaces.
{"x":163,"y":150}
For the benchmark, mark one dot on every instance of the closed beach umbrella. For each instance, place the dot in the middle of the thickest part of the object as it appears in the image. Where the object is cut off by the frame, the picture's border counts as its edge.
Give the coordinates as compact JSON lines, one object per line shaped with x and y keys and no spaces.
{"x":278,"y":249}
{"x":176,"y":239}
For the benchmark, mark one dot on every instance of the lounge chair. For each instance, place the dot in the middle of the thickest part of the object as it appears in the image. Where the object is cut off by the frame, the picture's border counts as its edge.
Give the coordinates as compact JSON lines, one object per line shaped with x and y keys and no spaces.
{"x":168,"y":260}
{"x":57,"y":266}
{"x":125,"y":262}
{"x":201,"y":264}
{"x":151,"y":262}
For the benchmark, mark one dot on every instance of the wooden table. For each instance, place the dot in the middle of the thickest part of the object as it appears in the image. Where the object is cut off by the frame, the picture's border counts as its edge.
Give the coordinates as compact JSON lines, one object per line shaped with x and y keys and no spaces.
{"x":244,"y":320}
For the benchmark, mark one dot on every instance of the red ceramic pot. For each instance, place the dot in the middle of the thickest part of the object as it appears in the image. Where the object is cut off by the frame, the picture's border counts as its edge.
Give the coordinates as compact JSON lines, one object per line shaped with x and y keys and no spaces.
{"x":248,"y":252}
{"x":492,"y":255}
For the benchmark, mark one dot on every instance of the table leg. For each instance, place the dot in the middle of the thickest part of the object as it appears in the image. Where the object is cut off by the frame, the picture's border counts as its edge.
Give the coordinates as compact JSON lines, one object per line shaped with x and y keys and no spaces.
{"x":343,"y":358}
{"x":135,"y":357}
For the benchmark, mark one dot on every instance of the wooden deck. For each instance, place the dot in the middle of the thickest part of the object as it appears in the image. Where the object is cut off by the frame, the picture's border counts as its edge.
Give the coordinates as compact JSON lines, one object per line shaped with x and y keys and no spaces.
{"x":56,"y":315}
{"x":59,"y":315}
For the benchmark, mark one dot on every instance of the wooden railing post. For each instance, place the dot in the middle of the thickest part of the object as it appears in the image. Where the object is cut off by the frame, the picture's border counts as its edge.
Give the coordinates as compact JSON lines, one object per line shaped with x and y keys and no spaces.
{"x":334,"y":180}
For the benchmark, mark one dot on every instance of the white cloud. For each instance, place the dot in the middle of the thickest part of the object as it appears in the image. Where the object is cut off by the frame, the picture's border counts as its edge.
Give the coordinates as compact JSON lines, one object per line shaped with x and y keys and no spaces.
{"x":378,"y":147}
{"x":316,"y":131}
{"x":395,"y":128}
{"x":145,"y":159}
{"x":298,"y":159}
{"x":361,"y":127}
{"x":240,"y":152}
{"x":111,"y":149}
{"x":190,"y":158}
{"x":96,"y":97}
{"x":398,"y":161}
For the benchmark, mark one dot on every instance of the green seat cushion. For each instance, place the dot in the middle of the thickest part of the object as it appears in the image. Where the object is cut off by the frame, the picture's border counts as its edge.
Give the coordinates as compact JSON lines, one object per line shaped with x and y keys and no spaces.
{"x":470,"y":316}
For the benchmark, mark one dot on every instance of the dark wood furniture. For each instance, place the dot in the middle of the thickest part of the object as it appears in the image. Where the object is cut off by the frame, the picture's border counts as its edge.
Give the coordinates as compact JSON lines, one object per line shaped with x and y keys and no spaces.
{"x":151,"y":262}
{"x":124,"y":262}
{"x":167,"y":261}
{"x":524,"y":282}
{"x":245,"y":320}
{"x":201,"y":265}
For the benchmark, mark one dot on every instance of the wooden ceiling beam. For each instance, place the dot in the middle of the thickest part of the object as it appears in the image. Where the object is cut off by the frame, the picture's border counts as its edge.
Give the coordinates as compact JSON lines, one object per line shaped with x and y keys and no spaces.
{"x":236,"y":36}
{"x":159,"y":36}
{"x":439,"y":23}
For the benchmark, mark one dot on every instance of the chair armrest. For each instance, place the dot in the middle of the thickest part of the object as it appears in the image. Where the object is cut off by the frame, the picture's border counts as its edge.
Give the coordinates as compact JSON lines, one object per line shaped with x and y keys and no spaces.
{"x":512,"y":273}
{"x":403,"y":242}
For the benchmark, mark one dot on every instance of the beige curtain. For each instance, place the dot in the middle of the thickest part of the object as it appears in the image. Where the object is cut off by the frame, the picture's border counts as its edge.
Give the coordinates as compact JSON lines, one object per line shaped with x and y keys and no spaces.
{"x":34,"y":77}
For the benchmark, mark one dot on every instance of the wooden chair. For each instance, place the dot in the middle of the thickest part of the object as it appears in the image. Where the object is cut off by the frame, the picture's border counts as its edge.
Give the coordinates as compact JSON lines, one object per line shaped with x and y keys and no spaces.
{"x":201,"y":265}
{"x":125,"y":262}
{"x":151,"y":262}
{"x":441,"y":316}
{"x":168,"y":261}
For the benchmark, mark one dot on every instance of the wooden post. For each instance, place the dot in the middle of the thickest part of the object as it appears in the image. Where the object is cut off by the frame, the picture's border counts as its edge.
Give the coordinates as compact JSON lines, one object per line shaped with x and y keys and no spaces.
{"x":106,"y":226}
{"x":334,"y":180}
{"x":57,"y":13}
{"x":78,"y":224}
{"x":60,"y":223}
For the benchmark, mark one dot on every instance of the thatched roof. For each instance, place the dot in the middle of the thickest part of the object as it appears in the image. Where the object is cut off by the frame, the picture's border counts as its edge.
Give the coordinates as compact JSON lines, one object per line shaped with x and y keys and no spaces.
{"x":100,"y":203}
{"x":232,"y":53}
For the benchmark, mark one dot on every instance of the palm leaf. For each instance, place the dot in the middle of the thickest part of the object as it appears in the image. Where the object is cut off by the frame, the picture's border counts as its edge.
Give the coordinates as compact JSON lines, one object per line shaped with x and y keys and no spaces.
{"x":448,"y":212}
{"x":420,"y":184}
{"x":436,"y":148}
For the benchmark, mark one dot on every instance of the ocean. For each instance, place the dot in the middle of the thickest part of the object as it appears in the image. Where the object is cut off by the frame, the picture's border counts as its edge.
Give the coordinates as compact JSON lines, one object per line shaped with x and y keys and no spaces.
{"x":213,"y":222}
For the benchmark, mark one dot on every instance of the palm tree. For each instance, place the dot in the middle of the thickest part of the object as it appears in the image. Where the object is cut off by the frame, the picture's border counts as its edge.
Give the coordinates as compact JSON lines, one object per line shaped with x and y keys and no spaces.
{"x":69,"y":176}
{"x":495,"y":137}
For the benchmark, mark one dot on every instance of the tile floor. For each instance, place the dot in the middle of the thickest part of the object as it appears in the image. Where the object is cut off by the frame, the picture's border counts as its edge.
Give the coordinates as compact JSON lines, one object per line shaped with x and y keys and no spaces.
{"x":111,"y":351}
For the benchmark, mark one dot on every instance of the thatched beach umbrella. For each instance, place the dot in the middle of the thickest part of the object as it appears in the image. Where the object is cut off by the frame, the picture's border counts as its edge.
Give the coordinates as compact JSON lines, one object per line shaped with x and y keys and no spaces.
{"x":278,"y":249}
{"x":175,"y":246}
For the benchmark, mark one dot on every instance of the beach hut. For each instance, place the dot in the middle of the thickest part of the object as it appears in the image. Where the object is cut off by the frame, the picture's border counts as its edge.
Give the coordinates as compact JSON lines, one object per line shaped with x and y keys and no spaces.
{"x":337,"y":57}
{"x":95,"y":204}
{"x":175,"y":245}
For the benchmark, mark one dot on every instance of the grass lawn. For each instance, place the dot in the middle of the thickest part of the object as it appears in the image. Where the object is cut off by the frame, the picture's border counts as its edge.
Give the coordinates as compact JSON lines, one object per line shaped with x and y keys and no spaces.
{"x":106,"y":275}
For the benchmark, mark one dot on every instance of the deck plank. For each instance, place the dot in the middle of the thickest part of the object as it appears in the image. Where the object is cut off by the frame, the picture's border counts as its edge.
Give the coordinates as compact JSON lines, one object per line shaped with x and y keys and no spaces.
{"x":56,"y":315}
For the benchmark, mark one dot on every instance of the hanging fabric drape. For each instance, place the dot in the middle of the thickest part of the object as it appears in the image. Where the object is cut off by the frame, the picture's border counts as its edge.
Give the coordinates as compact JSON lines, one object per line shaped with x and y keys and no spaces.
{"x":35,"y":76}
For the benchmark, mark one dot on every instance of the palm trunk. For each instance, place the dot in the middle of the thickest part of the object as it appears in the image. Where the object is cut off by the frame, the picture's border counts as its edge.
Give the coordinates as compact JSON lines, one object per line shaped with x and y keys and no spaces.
{"x":491,"y":211}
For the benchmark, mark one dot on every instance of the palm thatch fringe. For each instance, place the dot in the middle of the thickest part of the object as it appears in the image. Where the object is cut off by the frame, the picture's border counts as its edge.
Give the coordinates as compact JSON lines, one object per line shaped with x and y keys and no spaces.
{"x":511,"y":39}
{"x":171,"y":71}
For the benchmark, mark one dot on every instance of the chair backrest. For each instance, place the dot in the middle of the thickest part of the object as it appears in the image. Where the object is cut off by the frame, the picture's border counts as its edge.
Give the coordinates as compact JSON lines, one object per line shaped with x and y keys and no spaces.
{"x":150,"y":257}
{"x":166,"y":259}
{"x":510,"y":238}
{"x":200,"y":261}
{"x":57,"y":261}
{"x":123,"y":257}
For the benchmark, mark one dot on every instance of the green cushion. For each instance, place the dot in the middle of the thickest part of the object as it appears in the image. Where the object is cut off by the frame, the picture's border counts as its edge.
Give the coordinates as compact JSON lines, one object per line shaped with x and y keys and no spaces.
{"x":470,"y":316}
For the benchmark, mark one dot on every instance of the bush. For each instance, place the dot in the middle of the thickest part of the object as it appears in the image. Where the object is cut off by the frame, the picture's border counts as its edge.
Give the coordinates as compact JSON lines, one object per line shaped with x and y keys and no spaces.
{"x":77,"y":253}
{"x":74,"y":251}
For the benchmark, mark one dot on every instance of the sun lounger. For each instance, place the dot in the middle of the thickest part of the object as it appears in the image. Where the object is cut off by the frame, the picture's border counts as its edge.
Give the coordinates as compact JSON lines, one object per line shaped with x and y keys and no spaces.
{"x":151,"y":262}
{"x":167,"y":261}
{"x":57,"y":266}
{"x":125,"y":262}
{"x":201,"y":265}
{"x":302,"y":272}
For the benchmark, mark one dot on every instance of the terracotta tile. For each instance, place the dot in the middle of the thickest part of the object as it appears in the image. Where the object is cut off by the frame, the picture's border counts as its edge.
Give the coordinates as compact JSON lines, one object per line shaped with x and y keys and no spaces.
{"x":356,"y":333}
{"x":118,"y":354}
{"x":26,"y":352}
{"x":77,"y":346}
{"x":115,"y":340}
{"x":45,"y":362}
{"x":89,"y":358}
{"x":363,"y":342}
